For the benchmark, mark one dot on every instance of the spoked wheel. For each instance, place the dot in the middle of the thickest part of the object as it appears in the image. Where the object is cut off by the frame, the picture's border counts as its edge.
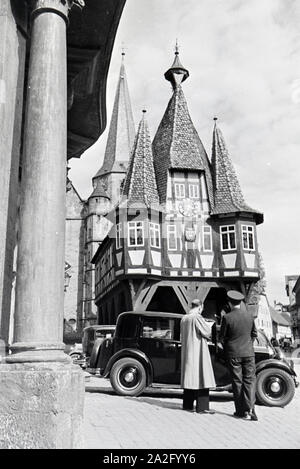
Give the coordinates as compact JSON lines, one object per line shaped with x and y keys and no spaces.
{"x":274,"y":387}
{"x":128,"y":377}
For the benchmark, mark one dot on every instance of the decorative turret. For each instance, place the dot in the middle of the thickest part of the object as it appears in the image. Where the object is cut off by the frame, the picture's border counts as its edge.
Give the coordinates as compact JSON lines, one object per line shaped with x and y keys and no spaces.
{"x":99,"y":202}
{"x":176,"y":145}
{"x":176,"y":74}
{"x":228,"y":196}
{"x":140,"y":183}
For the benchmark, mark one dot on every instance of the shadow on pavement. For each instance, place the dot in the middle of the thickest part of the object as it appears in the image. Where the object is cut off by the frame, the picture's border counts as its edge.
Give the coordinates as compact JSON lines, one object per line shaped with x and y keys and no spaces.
{"x":158,"y":393}
{"x":100,"y":390}
{"x":155,"y":401}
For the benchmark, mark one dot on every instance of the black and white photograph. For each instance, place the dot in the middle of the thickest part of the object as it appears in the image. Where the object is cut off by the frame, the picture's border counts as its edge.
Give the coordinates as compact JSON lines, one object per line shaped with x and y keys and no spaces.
{"x":149,"y":227}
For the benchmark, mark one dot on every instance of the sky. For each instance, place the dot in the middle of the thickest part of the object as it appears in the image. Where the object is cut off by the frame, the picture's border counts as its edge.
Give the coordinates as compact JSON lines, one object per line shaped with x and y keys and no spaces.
{"x":244,"y":62}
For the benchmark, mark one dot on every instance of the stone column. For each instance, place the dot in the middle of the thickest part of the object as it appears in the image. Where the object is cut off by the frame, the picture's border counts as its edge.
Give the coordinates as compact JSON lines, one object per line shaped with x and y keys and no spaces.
{"x":38,"y":329}
{"x":41,"y":392}
{"x":12,"y":54}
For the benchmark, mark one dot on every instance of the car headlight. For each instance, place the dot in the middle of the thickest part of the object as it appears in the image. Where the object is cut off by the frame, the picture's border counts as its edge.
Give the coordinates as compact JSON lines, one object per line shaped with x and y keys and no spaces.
{"x":271,"y":351}
{"x":279,"y":353}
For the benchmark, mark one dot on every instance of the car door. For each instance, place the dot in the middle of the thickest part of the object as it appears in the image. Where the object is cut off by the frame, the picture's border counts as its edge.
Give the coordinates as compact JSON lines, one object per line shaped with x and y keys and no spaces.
{"x":218,"y":359}
{"x":159,"y":340}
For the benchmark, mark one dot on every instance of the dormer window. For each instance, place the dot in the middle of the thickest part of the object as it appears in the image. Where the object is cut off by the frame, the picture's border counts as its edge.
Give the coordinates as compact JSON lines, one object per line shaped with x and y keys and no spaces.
{"x":194,"y":191}
{"x":179,"y":190}
{"x":248,"y":237}
{"x":228,"y":241}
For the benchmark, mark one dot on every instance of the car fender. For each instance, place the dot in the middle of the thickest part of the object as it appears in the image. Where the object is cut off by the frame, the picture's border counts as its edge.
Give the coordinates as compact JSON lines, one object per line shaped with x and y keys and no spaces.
{"x":273,"y":363}
{"x":133,"y":353}
{"x":95,"y":352}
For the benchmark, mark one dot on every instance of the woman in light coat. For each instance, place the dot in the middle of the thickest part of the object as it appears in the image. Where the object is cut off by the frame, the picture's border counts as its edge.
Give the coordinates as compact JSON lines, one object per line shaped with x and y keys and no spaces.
{"x":197,"y":374}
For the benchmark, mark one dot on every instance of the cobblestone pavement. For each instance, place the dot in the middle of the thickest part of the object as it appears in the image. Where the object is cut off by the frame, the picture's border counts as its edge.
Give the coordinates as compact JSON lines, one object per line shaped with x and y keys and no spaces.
{"x":155,"y":420}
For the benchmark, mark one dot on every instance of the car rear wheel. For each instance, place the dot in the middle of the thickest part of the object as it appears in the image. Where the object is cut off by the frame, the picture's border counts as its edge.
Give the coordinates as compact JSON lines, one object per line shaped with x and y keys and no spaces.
{"x":274,"y":387}
{"x":128,"y":377}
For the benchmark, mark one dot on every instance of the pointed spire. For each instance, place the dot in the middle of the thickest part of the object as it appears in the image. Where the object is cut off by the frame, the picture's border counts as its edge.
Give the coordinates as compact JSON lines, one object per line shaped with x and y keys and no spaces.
{"x":121,"y":132}
{"x":177,"y":145}
{"x":140,"y":183}
{"x":228,"y":196}
{"x":176,"y":73}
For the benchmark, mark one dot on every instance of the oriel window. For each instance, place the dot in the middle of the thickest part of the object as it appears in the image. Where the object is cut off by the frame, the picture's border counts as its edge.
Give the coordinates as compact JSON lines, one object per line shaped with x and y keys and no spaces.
{"x":207,"y":239}
{"x":228,"y":240}
{"x":118,"y":235}
{"x":135,"y":233}
{"x":248,"y":237}
{"x":172,"y":237}
{"x":154,"y":232}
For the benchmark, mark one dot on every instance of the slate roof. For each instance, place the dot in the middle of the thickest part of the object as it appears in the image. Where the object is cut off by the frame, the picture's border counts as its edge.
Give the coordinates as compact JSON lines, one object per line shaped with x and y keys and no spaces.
{"x":121,"y":132}
{"x":140,"y":183}
{"x":228,"y":196}
{"x":177,"y":145}
{"x":99,"y":192}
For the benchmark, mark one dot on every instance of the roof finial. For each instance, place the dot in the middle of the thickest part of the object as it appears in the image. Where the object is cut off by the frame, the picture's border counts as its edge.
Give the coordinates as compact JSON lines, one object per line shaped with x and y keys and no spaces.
{"x":215,"y":119}
{"x":177,"y":73}
{"x":123,"y":49}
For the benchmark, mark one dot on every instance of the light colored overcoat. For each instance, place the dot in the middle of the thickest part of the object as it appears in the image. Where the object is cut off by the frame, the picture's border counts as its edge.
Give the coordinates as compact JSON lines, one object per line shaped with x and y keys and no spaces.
{"x":196,"y":367}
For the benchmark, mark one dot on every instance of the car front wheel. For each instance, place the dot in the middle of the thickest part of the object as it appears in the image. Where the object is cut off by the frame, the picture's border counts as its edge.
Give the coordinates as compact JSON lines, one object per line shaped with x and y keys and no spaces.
{"x":128,"y":377}
{"x":274,"y":387}
{"x":75,"y":356}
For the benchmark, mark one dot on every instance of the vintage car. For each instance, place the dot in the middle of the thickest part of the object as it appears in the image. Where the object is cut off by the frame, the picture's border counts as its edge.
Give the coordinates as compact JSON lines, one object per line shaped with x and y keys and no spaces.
{"x":92,"y":338}
{"x":83,"y":347}
{"x":146,"y":350}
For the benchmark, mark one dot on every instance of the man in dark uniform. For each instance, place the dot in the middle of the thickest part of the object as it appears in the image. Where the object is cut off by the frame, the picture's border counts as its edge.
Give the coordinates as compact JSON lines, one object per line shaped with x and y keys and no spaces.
{"x":237,"y":334}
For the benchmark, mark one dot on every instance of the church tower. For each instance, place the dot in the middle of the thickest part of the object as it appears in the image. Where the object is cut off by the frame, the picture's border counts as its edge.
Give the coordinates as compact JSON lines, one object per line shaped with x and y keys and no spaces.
{"x":107,"y":184}
{"x":119,"y":144}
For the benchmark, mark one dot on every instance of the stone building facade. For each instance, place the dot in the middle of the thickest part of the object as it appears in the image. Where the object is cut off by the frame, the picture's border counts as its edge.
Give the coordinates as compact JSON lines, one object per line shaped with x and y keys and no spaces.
{"x":74,"y":258}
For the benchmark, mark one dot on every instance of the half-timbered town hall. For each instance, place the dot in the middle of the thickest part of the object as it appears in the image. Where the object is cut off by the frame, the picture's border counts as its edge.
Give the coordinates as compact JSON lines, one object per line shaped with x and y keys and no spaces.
{"x":181,"y":228}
